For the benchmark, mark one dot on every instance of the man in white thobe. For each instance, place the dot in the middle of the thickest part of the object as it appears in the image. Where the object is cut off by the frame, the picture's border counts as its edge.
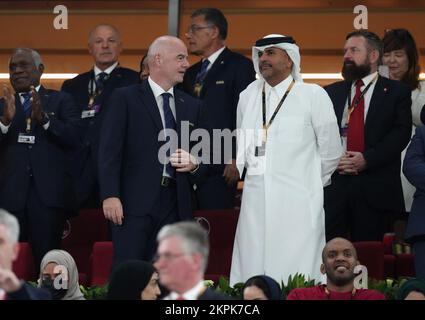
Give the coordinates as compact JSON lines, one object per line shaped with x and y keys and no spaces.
{"x":290,"y":153}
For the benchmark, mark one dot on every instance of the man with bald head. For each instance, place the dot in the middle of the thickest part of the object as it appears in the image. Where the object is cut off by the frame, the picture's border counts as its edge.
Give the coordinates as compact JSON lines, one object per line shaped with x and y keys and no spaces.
{"x":141,"y":191}
{"x":38,"y":128}
{"x":339,"y":261}
{"x":91,"y":90}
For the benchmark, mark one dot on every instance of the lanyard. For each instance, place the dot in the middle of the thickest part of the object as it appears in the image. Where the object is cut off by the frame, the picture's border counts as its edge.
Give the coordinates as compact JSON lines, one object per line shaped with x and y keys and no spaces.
{"x":357,"y":101}
{"x":266,"y":126}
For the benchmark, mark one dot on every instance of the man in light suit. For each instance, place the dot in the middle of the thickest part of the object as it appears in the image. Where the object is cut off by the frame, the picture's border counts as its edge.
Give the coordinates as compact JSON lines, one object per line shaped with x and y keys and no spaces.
{"x":375,"y":125}
{"x":39,"y":127}
{"x":91,"y":90}
{"x":141,"y":191}
{"x":217,"y":80}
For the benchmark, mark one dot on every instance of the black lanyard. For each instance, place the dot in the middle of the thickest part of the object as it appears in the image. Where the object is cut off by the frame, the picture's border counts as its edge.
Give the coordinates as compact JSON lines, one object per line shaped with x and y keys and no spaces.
{"x":357,"y":101}
{"x":267,"y":125}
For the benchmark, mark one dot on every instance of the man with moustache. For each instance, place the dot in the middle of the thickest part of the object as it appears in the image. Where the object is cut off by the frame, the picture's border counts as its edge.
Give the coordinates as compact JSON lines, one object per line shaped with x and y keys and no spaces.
{"x":288,"y":142}
{"x":339,"y":259}
{"x":217,"y":80}
{"x":375,"y":122}
{"x":140,"y":189}
{"x":91,"y":90}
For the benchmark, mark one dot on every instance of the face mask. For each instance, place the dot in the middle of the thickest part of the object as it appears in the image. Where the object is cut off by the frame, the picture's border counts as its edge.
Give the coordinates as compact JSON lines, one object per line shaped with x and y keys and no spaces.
{"x":57,"y":294}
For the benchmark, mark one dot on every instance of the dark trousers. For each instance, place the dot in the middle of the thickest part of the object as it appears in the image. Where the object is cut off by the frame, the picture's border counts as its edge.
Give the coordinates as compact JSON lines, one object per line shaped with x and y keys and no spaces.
{"x":136,"y":237}
{"x":214,"y":194}
{"x":419,"y":247}
{"x":348,"y":214}
{"x":40,"y":225}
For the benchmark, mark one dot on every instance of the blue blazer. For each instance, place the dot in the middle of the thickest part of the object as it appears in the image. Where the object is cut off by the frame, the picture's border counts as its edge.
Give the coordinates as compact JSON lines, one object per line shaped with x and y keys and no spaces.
{"x":84,"y":162}
{"x":414,"y":170}
{"x":128,"y":154}
{"x":388,"y":129}
{"x":230,"y":74}
{"x":47,"y":159}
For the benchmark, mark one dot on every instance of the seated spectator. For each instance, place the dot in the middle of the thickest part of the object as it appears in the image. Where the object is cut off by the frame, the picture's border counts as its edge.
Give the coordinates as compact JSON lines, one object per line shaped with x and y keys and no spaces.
{"x":413,"y":289}
{"x":262,"y":288}
{"x":11,"y":288}
{"x":59,"y":263}
{"x":339,"y":258}
{"x":134,"y":280}
{"x":181,"y":261}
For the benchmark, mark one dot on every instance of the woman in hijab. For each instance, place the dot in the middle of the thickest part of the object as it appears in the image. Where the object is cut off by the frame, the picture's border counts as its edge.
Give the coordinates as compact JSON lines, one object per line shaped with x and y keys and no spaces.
{"x":262,"y":288}
{"x":59,"y":263}
{"x":134,"y":280}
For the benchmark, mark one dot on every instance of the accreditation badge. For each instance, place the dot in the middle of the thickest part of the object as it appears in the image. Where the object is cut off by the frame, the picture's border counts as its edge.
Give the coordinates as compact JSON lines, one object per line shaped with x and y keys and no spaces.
{"x":88,"y":114}
{"x":26,"y":138}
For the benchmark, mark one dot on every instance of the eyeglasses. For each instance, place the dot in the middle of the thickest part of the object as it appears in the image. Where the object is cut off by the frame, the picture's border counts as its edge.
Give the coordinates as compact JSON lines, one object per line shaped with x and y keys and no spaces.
{"x":194,"y":28}
{"x":167,"y":256}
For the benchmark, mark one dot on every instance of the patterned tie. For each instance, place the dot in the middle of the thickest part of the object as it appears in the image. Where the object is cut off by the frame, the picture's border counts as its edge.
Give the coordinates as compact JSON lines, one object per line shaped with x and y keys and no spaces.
{"x":355,"y":133}
{"x":170,"y":124}
{"x":27,"y":102}
{"x":200,"y":77}
{"x":100,"y":82}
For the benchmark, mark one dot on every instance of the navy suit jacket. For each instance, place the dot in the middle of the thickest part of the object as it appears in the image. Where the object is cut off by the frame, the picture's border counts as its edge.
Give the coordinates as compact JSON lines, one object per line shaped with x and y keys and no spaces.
{"x":414,"y":170}
{"x":230,"y":74}
{"x":85,"y":156}
{"x":129,"y":167}
{"x":47,"y":159}
{"x":28,"y":292}
{"x":387,"y":128}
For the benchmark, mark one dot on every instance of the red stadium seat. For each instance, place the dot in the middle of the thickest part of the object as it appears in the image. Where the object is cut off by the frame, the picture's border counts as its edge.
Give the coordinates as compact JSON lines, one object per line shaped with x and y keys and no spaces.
{"x":371,"y":255}
{"x":222,"y":228}
{"x":23,"y":266}
{"x":83,"y":231}
{"x":101,"y":263}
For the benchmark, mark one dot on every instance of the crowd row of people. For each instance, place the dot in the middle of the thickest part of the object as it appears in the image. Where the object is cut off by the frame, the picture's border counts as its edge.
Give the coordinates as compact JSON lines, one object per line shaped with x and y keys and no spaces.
{"x":178,"y":273}
{"x":323,"y":162}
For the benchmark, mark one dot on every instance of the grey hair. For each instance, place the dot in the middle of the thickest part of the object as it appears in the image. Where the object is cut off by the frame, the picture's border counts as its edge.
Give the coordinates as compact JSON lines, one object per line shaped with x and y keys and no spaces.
{"x":11,"y":224}
{"x":110,"y":26}
{"x":195,"y":238}
{"x":34,"y":54}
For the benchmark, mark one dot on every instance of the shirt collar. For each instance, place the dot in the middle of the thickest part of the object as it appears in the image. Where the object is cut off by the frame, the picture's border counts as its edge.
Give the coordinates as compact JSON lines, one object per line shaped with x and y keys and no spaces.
{"x":280,"y":88}
{"x":107,"y":70}
{"x":366,"y":80}
{"x":214,"y":56}
{"x":191,"y":294}
{"x":37,"y":88}
{"x":157,"y":89}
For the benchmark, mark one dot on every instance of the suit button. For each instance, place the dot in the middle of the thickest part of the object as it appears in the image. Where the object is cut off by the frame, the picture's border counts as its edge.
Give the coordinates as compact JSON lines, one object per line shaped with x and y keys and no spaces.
{"x":91,"y":122}
{"x":30,"y":147}
{"x":87,"y":143}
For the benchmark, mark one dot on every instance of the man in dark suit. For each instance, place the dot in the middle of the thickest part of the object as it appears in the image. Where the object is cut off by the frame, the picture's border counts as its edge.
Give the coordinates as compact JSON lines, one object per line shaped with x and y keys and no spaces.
{"x":181,"y":262}
{"x":91,"y":90}
{"x":376,"y":126}
{"x":141,"y":191}
{"x":11,"y":288}
{"x":38,"y":127}
{"x":414,"y":170}
{"x":217,"y":80}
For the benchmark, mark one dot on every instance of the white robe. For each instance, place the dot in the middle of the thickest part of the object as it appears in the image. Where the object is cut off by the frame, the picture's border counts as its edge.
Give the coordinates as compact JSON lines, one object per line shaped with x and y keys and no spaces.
{"x":281,"y":227}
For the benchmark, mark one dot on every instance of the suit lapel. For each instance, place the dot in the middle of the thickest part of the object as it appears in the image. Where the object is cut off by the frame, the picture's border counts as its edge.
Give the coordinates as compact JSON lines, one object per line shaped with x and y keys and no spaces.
{"x":217,"y":66}
{"x":148,"y":99}
{"x":180,"y":109}
{"x":341,"y":100}
{"x":375,"y":101}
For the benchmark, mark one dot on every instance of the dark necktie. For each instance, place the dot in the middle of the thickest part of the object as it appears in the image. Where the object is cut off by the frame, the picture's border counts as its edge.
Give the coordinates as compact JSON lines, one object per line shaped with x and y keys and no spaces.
{"x":100,"y":82}
{"x":200,"y":77}
{"x":355,"y":133}
{"x":27,"y":102}
{"x":170,"y":124}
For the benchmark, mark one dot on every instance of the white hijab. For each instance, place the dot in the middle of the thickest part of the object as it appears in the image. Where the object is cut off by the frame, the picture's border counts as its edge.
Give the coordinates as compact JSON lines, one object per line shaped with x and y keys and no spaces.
{"x":291,"y":49}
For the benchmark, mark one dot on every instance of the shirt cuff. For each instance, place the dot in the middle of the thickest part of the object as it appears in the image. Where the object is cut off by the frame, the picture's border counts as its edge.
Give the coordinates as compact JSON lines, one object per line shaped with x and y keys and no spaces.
{"x":4,"y":129}
{"x":46,"y":126}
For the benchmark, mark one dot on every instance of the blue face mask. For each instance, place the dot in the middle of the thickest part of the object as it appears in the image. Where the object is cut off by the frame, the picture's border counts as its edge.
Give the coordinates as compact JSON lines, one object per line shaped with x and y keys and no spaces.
{"x":57,"y":294}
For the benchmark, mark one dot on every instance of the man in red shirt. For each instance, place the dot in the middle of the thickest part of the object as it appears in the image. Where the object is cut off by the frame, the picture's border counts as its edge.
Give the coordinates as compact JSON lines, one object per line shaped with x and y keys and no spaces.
{"x":339,"y":260}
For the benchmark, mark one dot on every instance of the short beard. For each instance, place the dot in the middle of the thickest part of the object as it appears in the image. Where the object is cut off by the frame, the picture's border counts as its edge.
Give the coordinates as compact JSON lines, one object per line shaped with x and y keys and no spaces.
{"x":340,"y":282}
{"x":351,"y":71}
